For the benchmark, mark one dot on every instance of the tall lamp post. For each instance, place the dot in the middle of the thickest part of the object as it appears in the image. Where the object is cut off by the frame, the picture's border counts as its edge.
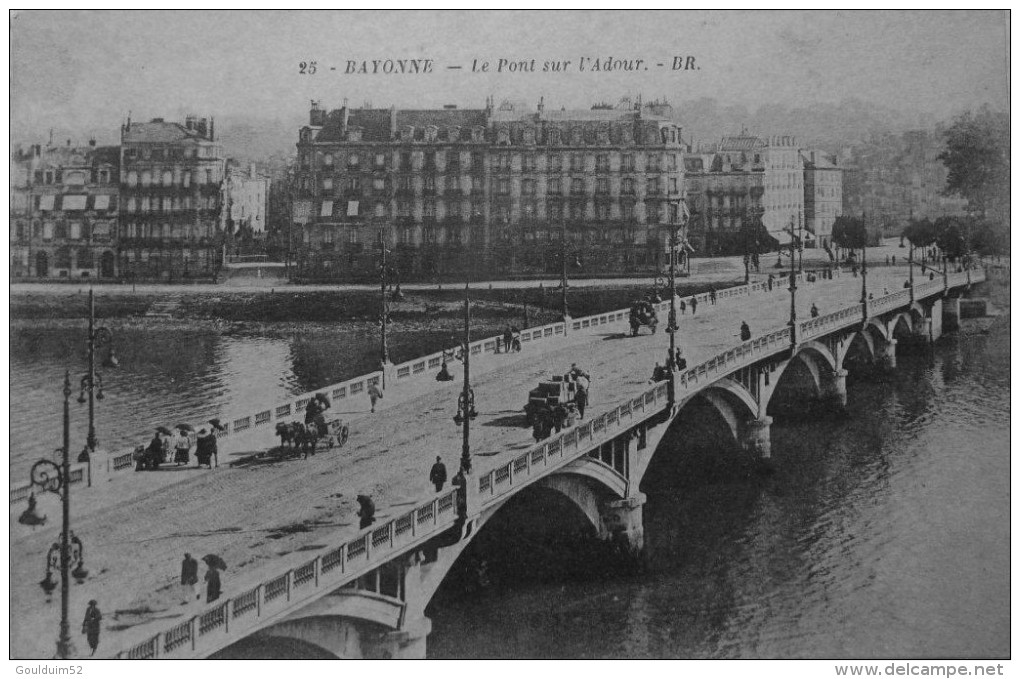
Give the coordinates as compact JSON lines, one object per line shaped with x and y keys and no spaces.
{"x":864,"y":272}
{"x":92,"y":382}
{"x":910,"y":274}
{"x":678,"y":219}
{"x":466,"y":402}
{"x":793,"y":288}
{"x":384,"y":353}
{"x":70,"y":550}
{"x":563,"y":270}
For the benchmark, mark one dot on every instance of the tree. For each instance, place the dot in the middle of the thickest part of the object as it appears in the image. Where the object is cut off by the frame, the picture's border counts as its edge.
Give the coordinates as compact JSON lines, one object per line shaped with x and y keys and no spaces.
{"x":949,"y":236}
{"x":849,"y":232}
{"x":977,"y":157}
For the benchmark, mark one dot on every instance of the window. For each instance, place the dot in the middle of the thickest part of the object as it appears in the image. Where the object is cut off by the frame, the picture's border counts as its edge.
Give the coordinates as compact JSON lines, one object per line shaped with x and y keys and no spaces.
{"x":131,"y":206}
{"x":627,"y":187}
{"x":327,"y":184}
{"x":453,"y":160}
{"x":327,"y":209}
{"x":187,"y":179}
{"x":404,"y":208}
{"x":555,"y":162}
{"x":673,"y":185}
{"x":654,"y":162}
{"x":327,"y":159}
{"x":503,"y":161}
{"x":602,"y":162}
{"x":465,"y":185}
{"x":146,"y":205}
{"x":430,"y":209}
{"x":146,"y":178}
{"x":627,"y":211}
{"x":652,"y":187}
{"x":75,"y":231}
{"x":379,"y":184}
{"x":208,"y":176}
{"x":627,"y":162}
{"x":576,"y":162}
{"x":576,"y":211}
{"x":602,"y":186}
{"x":353,"y":208}
{"x":555,"y":211}
{"x":477,"y":162}
{"x":48,"y":230}
{"x":353,"y":160}
{"x":672,"y":162}
{"x":652,"y":213}
{"x":430,"y":160}
{"x":404,"y":184}
{"x":602,"y":211}
{"x":405,"y":161}
{"x":504,"y":187}
{"x":528,"y":162}
{"x":354,"y":184}
{"x":380,"y":210}
{"x":528,"y":187}
{"x":577,"y":186}
{"x":168,"y":178}
{"x":430,"y":184}
{"x":453,"y":209}
{"x":553,"y":187}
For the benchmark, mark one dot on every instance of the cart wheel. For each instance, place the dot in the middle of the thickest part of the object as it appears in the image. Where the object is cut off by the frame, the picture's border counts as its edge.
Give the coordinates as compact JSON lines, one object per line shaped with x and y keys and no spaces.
{"x":343,"y":435}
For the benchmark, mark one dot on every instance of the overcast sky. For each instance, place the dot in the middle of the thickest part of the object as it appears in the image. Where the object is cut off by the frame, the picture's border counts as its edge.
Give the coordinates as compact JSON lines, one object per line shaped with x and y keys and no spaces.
{"x":87,"y":69}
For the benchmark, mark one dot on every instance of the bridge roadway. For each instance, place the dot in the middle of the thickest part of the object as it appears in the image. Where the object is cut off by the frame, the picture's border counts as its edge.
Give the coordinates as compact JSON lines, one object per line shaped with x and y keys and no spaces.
{"x":263,"y":519}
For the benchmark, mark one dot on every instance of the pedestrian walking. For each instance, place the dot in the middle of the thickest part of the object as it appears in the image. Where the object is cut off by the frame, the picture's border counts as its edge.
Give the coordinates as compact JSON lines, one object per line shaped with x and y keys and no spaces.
{"x":182,"y":447}
{"x":438,"y":474}
{"x":745,"y":331}
{"x":887,"y":260}
{"x":154,"y":453}
{"x":374,"y":394}
{"x":90,"y":626}
{"x":536,"y":427}
{"x":581,"y":399}
{"x":189,"y":578}
{"x":678,"y":359}
{"x":205,"y":447}
{"x":814,"y":311}
{"x":894,"y":260}
{"x":712,"y":295}
{"x":694,"y":305}
{"x":683,"y":308}
{"x":508,"y":340}
{"x":212,"y":584}
{"x":366,"y":510}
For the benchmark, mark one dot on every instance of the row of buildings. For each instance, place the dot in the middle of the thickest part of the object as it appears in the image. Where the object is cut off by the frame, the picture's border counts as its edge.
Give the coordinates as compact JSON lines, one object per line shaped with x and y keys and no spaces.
{"x":512,"y":191}
{"x":163,"y":204}
{"x":497,"y":190}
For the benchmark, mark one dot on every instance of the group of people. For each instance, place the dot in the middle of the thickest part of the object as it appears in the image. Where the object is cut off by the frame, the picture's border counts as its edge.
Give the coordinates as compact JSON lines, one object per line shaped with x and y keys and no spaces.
{"x":189,"y":579}
{"x":174,"y":447}
{"x":555,"y":418}
{"x":511,"y":339}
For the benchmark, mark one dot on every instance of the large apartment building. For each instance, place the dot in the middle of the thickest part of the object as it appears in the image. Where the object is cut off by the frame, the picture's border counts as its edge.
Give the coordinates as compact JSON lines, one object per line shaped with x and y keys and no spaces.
{"x":63,"y":211}
{"x":489,"y":190}
{"x":171,"y":195}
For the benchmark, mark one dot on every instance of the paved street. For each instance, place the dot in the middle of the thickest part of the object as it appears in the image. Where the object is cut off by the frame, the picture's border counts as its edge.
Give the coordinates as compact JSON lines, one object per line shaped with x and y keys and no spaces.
{"x":266,"y":518}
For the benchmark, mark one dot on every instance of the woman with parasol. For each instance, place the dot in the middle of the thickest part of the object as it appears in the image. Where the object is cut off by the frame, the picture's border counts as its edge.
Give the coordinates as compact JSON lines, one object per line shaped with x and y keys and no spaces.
{"x":212,"y":576}
{"x":206,"y":450}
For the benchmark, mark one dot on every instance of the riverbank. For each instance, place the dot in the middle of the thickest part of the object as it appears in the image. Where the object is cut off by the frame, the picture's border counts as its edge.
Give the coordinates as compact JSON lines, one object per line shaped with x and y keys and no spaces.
{"x":222,"y":309}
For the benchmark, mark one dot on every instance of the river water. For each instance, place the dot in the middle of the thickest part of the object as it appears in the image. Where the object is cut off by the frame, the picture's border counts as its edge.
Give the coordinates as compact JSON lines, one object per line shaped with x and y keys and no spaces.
{"x":882,"y":535}
{"x":885,"y":534}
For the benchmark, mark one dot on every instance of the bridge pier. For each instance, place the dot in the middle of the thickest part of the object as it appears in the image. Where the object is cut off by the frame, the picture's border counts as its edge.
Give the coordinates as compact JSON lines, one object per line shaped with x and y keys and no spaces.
{"x":757,"y":437}
{"x":886,"y":353}
{"x":407,"y":643}
{"x":834,"y":390}
{"x":624,"y":522}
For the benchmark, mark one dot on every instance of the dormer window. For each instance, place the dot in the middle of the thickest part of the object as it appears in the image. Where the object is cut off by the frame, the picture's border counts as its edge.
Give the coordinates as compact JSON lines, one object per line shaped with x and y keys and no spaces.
{"x":327,"y":159}
{"x":431,"y":133}
{"x":477,"y":134}
{"x":354,"y":134}
{"x":503,"y":137}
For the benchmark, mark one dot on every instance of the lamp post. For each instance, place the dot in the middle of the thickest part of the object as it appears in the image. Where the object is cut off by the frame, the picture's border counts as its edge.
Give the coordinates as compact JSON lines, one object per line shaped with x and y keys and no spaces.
{"x":910,"y":275}
{"x":678,"y":220}
{"x":864,"y":274}
{"x":563,"y":270}
{"x":793,"y":290}
{"x":384,"y":353}
{"x":466,"y":402}
{"x":51,"y":477}
{"x":92,"y":382}
{"x":800,"y":242}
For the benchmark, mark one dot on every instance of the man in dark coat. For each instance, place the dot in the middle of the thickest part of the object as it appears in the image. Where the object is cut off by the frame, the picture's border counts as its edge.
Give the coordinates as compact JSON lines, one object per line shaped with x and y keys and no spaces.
{"x":745,"y":331}
{"x":212,"y":584}
{"x":581,"y":399}
{"x":366,"y":511}
{"x":189,"y":578}
{"x":206,"y":447}
{"x":90,"y":626}
{"x":438,"y":474}
{"x":154,"y":453}
{"x":694,"y":305}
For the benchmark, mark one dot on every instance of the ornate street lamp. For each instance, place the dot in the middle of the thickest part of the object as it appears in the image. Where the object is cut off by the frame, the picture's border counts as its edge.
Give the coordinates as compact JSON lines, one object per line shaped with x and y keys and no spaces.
{"x":678,"y":219}
{"x":69,"y":551}
{"x":92,"y":382}
{"x":384,"y":353}
{"x":794,"y":242}
{"x":466,"y":401}
{"x":563,"y":270}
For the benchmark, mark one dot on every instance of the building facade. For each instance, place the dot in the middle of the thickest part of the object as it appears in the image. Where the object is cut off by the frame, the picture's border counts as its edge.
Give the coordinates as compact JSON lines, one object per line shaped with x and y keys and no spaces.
{"x":245,"y":195}
{"x":491,"y":190}
{"x":64,"y":210}
{"x":744,"y":178}
{"x":171,"y":194}
{"x":823,"y":194}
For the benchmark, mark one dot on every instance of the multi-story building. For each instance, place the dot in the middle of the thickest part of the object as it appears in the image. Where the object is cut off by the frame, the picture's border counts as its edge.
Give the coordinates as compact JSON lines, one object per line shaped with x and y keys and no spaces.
{"x":64,"y":206}
{"x":171,"y":194}
{"x":492,"y":189}
{"x":744,"y":177}
{"x":245,"y":195}
{"x":894,"y":178}
{"x":823,"y":194}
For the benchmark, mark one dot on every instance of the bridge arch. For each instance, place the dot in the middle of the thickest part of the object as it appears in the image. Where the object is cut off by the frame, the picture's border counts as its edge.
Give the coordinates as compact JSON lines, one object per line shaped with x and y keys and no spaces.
{"x":860,"y":343}
{"x":901,"y":323}
{"x":876,"y":326}
{"x":727,"y":398}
